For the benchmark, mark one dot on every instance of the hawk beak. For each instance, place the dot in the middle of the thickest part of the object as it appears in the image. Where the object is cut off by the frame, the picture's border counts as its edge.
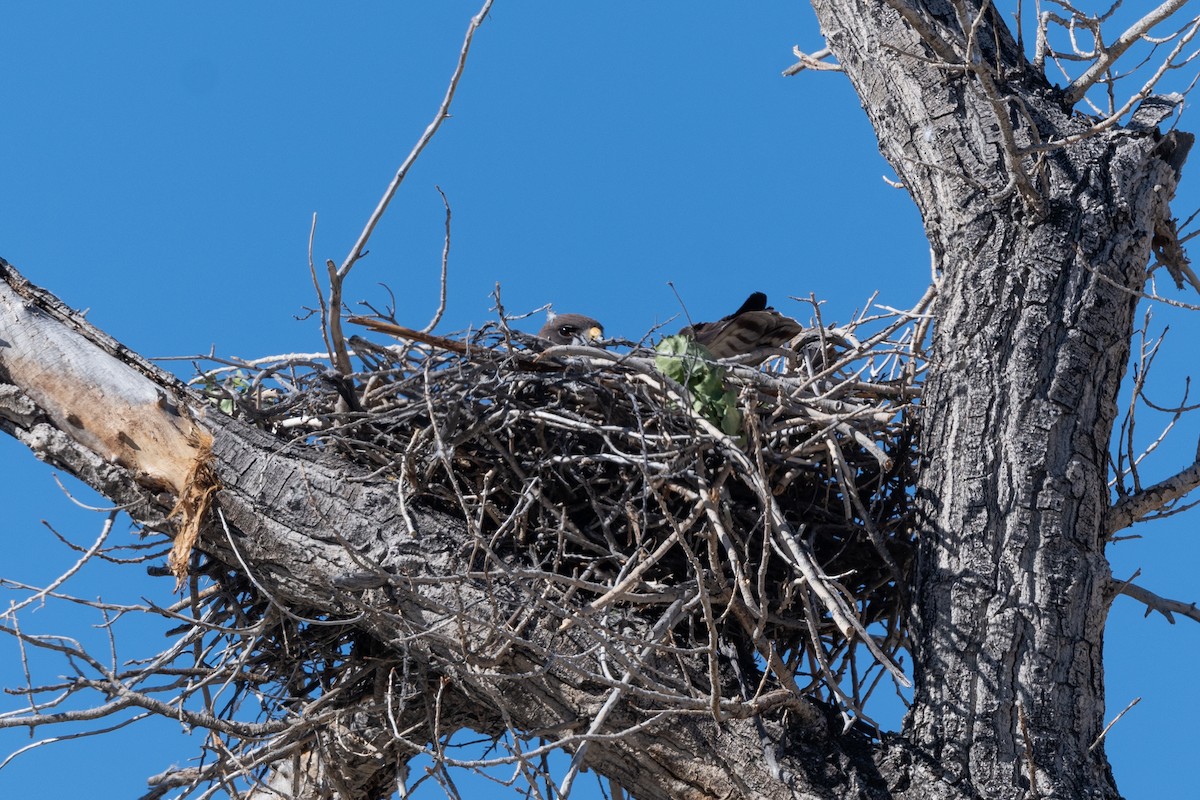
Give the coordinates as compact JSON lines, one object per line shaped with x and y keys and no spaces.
{"x":594,"y":334}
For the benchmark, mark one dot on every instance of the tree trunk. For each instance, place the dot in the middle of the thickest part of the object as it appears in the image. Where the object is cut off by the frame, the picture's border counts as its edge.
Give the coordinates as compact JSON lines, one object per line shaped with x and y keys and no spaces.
{"x":1034,"y":317}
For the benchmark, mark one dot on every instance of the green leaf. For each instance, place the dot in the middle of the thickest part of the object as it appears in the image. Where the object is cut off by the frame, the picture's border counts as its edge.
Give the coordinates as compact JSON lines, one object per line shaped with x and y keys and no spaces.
{"x":690,"y":364}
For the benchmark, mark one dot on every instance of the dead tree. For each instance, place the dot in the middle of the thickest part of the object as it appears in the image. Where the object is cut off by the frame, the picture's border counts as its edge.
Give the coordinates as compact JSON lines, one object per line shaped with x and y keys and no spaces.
{"x":690,"y":576}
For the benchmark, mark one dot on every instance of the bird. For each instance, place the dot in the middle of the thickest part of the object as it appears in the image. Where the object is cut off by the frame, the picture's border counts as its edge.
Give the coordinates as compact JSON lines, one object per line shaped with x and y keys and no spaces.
{"x":573,"y":329}
{"x":754,"y":326}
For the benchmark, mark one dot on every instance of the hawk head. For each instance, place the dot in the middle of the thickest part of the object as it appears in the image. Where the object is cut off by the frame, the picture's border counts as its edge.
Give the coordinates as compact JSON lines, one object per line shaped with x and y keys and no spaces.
{"x":572,"y":329}
{"x":752,"y":327}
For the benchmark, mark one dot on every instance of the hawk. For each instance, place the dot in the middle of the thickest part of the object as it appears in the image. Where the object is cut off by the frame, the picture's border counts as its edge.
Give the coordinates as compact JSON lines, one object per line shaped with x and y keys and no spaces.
{"x":571,"y":329}
{"x":752,"y":327}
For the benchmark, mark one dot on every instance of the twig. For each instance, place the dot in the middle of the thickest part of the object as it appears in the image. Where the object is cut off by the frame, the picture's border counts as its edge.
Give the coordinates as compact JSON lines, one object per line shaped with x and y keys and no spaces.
{"x":1115,"y":720}
{"x":105,"y":530}
{"x":442,"y":114}
{"x":337,"y":275}
{"x":814,"y":61}
{"x":1109,"y":55}
{"x":441,"y":309}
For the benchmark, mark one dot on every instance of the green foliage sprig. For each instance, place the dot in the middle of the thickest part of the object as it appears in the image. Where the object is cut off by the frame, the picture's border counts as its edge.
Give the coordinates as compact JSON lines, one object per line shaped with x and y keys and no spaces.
{"x":690,"y":364}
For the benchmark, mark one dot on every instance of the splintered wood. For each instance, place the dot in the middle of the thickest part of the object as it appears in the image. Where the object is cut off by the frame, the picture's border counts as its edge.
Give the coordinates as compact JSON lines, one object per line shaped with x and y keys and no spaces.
{"x":86,"y":390}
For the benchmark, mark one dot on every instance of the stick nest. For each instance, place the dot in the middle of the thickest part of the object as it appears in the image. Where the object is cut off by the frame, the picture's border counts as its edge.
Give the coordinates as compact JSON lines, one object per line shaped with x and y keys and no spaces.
{"x":780,"y":549}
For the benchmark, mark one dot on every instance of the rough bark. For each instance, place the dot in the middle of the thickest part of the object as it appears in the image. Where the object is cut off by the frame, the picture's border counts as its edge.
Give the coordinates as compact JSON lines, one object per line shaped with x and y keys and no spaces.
{"x":1034,"y":317}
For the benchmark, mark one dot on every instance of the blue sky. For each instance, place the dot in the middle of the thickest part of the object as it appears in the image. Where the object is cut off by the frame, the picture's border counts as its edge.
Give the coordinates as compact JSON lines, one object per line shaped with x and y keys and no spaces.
{"x":162,"y":164}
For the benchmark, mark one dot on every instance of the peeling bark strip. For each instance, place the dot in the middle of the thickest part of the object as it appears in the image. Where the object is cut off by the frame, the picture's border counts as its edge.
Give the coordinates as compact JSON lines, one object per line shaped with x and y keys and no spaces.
{"x":89,"y":390}
{"x":192,"y":508}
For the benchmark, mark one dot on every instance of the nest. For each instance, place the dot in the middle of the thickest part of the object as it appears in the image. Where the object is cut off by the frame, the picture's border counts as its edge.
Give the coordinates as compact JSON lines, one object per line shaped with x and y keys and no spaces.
{"x":777,"y":531}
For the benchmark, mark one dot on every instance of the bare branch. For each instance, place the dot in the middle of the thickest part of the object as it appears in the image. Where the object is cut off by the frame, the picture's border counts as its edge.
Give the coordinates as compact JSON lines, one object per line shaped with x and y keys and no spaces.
{"x":442,"y":114}
{"x":321,"y":305}
{"x":1115,"y":720}
{"x":337,"y":275}
{"x":1109,"y":55}
{"x":60,"y":580}
{"x":1168,"y":608}
{"x":1135,"y":507}
{"x":814,"y":61}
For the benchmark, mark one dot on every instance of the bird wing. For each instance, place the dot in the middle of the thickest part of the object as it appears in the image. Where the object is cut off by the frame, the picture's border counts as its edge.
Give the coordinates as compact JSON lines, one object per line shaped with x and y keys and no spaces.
{"x":754,"y":326}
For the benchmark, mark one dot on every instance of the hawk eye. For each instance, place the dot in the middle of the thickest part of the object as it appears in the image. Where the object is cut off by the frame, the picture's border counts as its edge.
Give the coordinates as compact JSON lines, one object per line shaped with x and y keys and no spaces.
{"x":566,"y":330}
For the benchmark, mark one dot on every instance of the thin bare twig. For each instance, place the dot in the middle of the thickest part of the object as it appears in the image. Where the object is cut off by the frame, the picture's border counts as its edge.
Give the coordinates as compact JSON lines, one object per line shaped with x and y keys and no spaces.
{"x":337,"y":275}
{"x":442,"y":114}
{"x":441,"y":309}
{"x":1109,"y":55}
